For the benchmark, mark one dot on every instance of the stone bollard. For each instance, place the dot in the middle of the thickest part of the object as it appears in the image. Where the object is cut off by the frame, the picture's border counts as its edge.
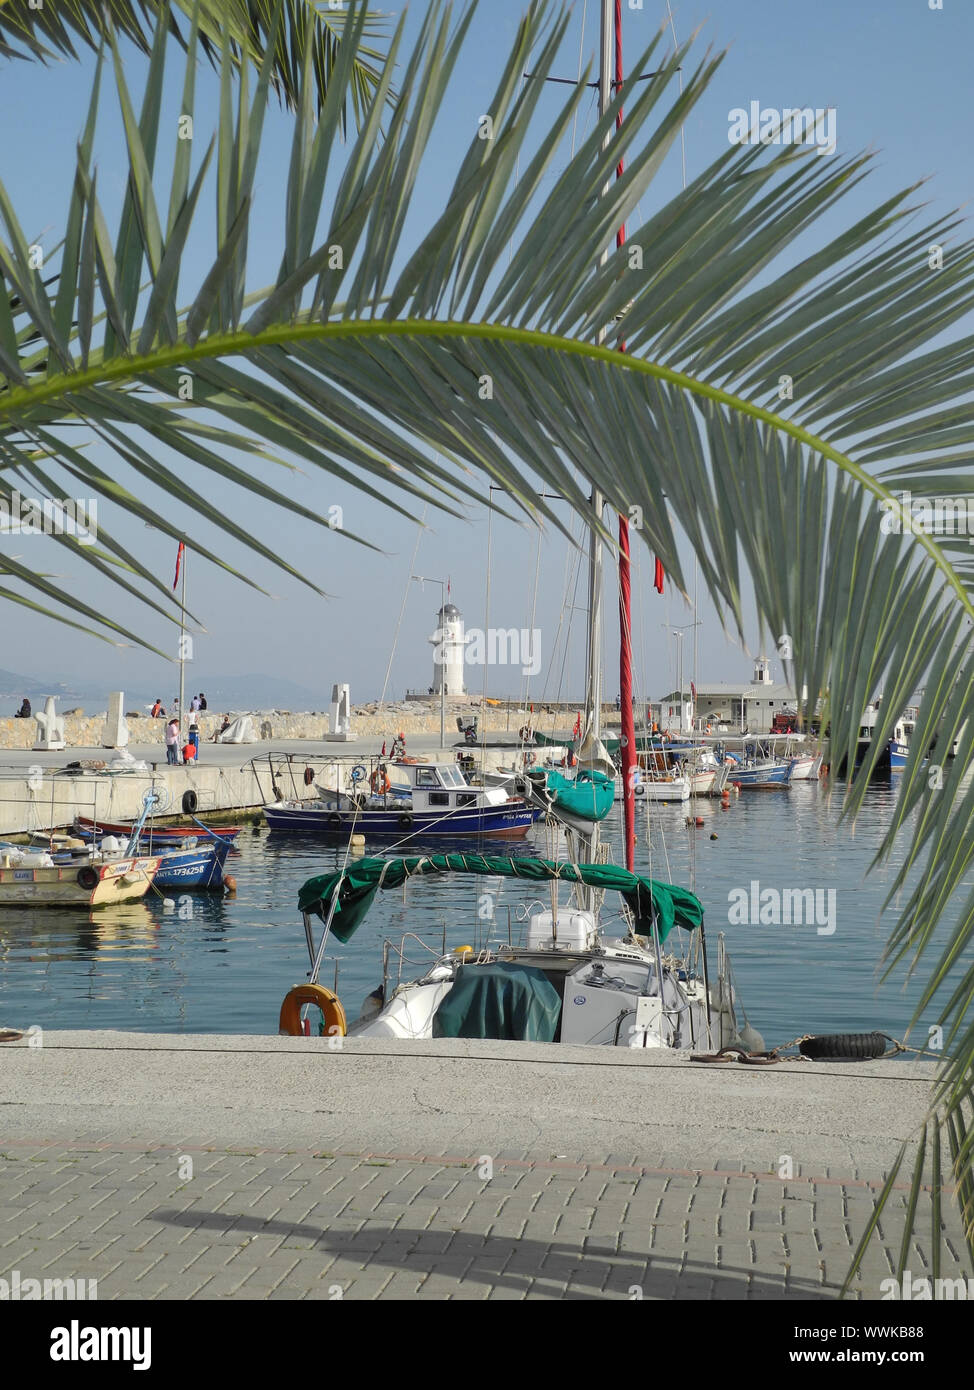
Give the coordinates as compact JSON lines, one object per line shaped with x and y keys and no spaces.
{"x":340,"y":717}
{"x":50,"y":728}
{"x":116,"y":733}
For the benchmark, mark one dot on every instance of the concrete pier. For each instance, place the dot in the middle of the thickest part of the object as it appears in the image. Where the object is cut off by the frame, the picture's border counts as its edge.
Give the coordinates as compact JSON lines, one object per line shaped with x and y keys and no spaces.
{"x":253,"y":1167}
{"x":36,"y":792}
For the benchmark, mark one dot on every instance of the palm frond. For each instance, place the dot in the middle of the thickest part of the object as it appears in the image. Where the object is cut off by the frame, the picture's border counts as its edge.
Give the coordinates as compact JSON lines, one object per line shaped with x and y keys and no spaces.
{"x":368,"y":358}
{"x":253,"y":28}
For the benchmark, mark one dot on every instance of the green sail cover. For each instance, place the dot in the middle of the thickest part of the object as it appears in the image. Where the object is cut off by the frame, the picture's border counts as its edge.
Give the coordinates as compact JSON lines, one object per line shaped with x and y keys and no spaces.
{"x":589,"y":796}
{"x":503,"y":1000}
{"x":357,"y":886}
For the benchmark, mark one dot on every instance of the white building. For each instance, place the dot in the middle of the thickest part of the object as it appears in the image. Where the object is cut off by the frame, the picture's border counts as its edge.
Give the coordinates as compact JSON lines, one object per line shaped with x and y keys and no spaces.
{"x":449,"y":643}
{"x":737,"y":706}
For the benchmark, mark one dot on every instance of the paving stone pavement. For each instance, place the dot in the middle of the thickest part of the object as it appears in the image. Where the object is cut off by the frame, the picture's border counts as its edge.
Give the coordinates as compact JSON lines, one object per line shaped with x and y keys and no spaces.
{"x":199,"y":1222}
{"x":272,"y":1168}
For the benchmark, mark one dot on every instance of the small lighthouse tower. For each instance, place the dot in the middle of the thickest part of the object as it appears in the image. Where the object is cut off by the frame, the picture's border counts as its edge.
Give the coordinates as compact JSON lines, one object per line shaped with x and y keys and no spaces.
{"x":448,"y":647}
{"x":762,"y":671}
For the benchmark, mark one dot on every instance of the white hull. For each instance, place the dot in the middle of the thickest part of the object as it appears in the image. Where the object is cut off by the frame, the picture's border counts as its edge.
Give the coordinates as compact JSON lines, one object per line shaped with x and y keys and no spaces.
{"x":806,"y":767}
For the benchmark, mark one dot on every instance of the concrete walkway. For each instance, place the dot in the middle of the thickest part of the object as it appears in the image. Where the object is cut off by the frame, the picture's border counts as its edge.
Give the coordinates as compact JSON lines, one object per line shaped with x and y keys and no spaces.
{"x":254,"y":1167}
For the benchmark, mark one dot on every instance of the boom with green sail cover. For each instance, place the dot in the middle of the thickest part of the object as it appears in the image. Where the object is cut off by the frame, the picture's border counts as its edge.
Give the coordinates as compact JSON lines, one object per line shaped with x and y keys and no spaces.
{"x":356,"y":887}
{"x":588,"y":797}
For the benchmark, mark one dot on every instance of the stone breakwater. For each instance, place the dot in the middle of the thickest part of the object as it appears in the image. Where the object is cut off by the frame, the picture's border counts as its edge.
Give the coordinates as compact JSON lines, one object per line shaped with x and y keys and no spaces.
{"x":86,"y":731}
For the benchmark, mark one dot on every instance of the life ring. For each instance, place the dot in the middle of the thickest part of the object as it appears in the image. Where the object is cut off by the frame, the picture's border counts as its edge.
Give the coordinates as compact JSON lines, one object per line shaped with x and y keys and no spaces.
{"x":358,"y":772}
{"x":334,"y":821}
{"x":335,"y":1024}
{"x":379,"y":782}
{"x":190,"y":802}
{"x":87,"y":878}
{"x":405,"y":821}
{"x":524,"y":733}
{"x":309,"y":776}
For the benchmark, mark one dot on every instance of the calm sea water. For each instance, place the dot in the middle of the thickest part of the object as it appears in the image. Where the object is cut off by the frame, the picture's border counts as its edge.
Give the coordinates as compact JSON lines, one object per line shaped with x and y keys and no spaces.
{"x":224,"y":965}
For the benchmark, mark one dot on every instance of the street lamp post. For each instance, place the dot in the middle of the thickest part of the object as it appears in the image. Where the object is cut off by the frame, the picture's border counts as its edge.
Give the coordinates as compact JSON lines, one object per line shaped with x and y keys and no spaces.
{"x":425,"y":579}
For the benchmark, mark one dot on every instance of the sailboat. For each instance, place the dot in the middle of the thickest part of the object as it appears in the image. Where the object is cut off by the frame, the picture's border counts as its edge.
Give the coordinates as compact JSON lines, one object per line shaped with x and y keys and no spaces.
{"x":566,"y":980}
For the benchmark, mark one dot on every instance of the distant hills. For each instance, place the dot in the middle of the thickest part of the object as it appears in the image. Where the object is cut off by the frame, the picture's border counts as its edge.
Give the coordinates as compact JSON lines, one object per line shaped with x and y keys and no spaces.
{"x":254,"y":691}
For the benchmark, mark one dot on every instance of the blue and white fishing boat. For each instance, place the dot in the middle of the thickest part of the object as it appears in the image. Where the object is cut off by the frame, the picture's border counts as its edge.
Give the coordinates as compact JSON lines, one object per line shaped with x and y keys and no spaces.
{"x":431,"y":799}
{"x":198,"y":863}
{"x":893,"y":756}
{"x":754,"y":765}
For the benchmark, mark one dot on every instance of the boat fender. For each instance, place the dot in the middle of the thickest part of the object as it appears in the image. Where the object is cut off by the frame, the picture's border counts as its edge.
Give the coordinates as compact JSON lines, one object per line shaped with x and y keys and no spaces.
{"x":190,"y":802}
{"x":334,"y":821}
{"x":309,"y":776}
{"x":229,"y":885}
{"x":844,"y":1047}
{"x":333,"y":1015}
{"x":405,"y":821}
{"x":87,"y":877}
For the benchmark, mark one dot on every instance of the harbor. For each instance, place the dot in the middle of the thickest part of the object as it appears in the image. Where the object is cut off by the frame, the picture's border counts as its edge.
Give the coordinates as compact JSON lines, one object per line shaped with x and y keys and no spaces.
{"x":355,"y":943}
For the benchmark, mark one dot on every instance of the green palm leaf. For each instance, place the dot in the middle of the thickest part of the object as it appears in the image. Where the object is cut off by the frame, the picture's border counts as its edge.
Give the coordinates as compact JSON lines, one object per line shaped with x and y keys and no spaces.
{"x":414,"y":369}
{"x":253,"y":27}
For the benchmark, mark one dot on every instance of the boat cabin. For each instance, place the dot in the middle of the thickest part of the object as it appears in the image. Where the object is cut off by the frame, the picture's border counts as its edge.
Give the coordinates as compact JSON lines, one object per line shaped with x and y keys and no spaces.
{"x":443,"y":787}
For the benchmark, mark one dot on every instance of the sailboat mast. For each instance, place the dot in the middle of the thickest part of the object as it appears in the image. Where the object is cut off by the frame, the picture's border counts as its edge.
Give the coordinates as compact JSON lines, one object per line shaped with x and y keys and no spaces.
{"x":182,"y":652}
{"x":625,"y":584}
{"x":593,"y":693}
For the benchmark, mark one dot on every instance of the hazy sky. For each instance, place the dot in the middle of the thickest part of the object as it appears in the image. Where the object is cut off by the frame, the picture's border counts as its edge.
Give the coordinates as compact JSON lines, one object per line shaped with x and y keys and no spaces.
{"x":897,"y":74}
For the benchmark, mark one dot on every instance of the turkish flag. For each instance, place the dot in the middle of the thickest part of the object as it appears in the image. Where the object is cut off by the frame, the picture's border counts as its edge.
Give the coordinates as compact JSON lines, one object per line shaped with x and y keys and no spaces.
{"x":658,"y":582}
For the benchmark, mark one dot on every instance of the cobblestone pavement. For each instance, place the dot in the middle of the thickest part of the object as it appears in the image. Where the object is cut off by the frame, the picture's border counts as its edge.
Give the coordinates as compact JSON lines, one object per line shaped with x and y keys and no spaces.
{"x":200,"y":1222}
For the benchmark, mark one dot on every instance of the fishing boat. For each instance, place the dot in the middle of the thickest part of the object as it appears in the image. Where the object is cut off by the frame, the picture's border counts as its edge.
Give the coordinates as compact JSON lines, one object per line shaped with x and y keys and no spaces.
{"x":30,"y":877}
{"x":84,"y":827}
{"x":192,"y":863}
{"x":755,"y":767}
{"x":436,"y":800}
{"x":896,"y":750}
{"x":571,"y":978}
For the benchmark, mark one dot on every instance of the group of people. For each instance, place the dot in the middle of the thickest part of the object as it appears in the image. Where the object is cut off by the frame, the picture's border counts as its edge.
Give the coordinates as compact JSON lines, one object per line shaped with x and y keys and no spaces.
{"x":196,"y":706}
{"x":190,"y":750}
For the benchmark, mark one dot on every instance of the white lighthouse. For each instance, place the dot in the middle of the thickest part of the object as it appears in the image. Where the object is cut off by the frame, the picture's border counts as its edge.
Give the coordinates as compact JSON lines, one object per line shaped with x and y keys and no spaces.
{"x":448,"y":647}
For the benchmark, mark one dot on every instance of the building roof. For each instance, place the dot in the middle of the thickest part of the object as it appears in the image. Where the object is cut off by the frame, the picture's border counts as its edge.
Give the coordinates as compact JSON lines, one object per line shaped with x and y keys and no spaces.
{"x":731,"y":690}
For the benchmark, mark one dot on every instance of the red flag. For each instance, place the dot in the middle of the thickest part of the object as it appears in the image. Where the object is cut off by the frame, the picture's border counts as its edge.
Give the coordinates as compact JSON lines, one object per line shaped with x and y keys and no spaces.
{"x":179,"y":556}
{"x":693,"y":692}
{"x":383,"y":753}
{"x":658,"y":582}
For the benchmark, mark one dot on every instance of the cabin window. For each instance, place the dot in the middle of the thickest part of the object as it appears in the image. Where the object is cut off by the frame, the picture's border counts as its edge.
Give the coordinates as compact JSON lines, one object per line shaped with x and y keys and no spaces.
{"x":439,"y":799}
{"x":426,"y":777}
{"x":466,"y":800}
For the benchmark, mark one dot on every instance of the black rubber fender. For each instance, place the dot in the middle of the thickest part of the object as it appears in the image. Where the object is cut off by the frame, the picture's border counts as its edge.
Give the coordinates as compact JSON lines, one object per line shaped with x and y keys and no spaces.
{"x":405,"y":821}
{"x":87,"y":877}
{"x":190,"y":802}
{"x":844,"y":1047}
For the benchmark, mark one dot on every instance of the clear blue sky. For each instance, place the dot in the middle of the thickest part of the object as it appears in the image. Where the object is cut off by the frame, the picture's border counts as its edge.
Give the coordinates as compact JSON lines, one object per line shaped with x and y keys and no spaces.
{"x":897,"y":74}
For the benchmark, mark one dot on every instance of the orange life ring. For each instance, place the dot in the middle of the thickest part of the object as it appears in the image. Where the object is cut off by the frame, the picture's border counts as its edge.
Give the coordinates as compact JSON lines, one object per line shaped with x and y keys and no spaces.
{"x":309,"y":776}
{"x":379,"y":782}
{"x":335,"y":1024}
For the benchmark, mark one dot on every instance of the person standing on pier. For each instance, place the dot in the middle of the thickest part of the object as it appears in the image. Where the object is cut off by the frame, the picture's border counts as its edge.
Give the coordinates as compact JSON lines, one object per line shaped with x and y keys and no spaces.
{"x":172,"y":742}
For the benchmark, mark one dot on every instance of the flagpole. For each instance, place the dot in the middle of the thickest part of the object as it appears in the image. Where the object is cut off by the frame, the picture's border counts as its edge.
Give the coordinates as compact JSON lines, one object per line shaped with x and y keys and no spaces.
{"x":182,"y":649}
